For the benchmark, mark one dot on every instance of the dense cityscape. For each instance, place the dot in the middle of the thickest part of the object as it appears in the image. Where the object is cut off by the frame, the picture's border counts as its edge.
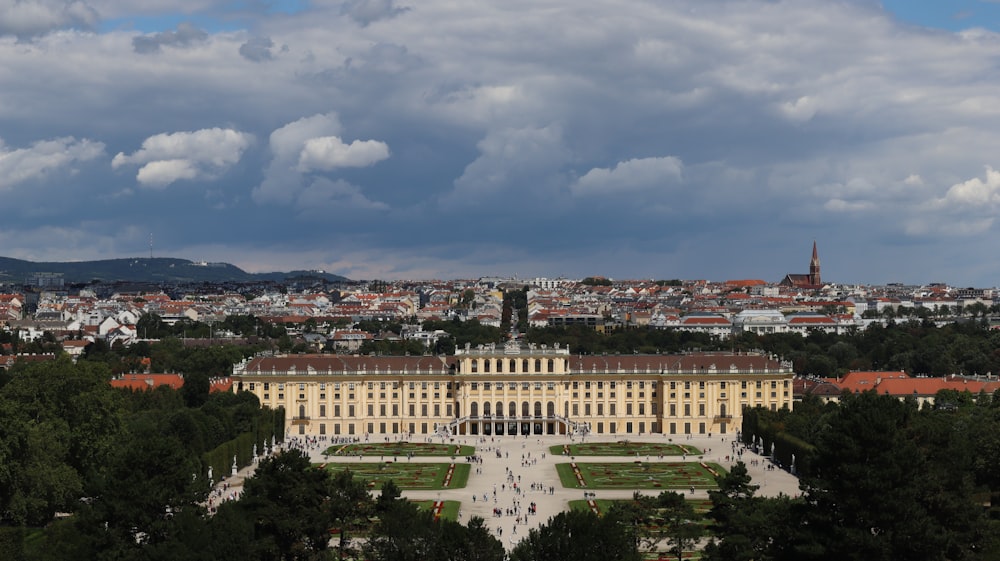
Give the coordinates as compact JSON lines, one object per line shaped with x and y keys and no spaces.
{"x":780,"y":392}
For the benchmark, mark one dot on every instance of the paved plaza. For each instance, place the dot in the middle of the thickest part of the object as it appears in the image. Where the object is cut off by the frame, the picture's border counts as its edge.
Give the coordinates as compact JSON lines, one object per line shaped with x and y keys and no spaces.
{"x":516,"y":471}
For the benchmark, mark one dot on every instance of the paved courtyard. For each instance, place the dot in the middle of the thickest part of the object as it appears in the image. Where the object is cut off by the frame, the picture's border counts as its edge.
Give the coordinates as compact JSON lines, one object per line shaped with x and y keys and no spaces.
{"x":516,"y":471}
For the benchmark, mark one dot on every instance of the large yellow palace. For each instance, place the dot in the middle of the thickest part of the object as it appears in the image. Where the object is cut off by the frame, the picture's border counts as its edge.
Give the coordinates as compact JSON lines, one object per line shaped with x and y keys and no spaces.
{"x":516,"y":389}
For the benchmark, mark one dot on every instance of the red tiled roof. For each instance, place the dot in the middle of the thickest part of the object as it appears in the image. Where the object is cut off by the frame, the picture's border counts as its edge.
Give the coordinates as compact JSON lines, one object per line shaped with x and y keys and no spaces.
{"x":142,"y":382}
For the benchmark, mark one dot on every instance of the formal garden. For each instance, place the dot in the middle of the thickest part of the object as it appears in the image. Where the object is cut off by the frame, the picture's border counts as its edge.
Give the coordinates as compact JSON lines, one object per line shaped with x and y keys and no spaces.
{"x":625,"y":448}
{"x":408,"y":476}
{"x":443,"y":510}
{"x":602,"y":506}
{"x":399,"y":449}
{"x":639,"y":475}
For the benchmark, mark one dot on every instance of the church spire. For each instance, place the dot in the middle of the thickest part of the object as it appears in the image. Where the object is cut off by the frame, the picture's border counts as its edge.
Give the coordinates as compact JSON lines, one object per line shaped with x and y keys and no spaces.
{"x":814,"y":277}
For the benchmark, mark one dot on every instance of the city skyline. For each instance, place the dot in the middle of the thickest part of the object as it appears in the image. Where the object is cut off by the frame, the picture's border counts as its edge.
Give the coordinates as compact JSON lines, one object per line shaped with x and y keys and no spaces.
{"x":395,"y":140}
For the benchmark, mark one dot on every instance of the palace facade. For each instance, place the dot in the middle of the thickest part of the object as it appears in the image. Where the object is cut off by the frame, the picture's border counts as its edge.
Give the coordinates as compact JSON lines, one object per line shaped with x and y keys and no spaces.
{"x":516,"y":390}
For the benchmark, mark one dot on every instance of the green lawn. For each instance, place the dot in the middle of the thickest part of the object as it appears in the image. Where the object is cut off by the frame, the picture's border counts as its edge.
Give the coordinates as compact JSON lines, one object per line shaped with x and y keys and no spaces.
{"x":639,"y":475}
{"x":624,"y":448}
{"x":399,"y":449}
{"x":415,"y":476}
{"x":449,"y":512}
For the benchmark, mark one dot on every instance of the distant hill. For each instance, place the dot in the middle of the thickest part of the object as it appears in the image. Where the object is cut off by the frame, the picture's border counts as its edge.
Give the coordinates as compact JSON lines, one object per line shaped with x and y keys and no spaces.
{"x":143,"y":269}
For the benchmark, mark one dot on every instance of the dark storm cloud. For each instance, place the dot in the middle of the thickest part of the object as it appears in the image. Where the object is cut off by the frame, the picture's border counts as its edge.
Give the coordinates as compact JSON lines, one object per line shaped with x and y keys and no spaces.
{"x":186,"y":35}
{"x":542,"y":137}
{"x":257,"y":49}
{"x":364,"y":12}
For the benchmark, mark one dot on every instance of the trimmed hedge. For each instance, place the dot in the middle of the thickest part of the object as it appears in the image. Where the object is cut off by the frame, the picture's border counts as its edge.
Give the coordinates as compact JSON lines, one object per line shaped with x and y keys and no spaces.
{"x":268,"y":425}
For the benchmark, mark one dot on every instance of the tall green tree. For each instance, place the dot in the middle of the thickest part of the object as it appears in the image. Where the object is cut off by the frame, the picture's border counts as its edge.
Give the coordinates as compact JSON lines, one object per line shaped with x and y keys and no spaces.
{"x":288,"y":501}
{"x":579,"y":536}
{"x":871,"y":497}
{"x":61,"y":423}
{"x":744,"y":526}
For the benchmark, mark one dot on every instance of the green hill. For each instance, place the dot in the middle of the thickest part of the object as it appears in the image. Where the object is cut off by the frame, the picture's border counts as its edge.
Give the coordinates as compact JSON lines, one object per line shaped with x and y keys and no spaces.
{"x":144,"y":269}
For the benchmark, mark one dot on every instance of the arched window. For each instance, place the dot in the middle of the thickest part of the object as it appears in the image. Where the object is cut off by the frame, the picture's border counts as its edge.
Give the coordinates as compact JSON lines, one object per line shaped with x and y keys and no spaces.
{"x":499,"y":365}
{"x":552,"y":365}
{"x":474,"y":409}
{"x":302,"y":411}
{"x":565,"y":409}
{"x":538,"y":408}
{"x":538,"y":365}
{"x":486,"y":408}
{"x":486,"y":365}
{"x":512,"y":409}
{"x":513,"y":365}
{"x":722,"y":409}
{"x":552,"y":409}
{"x":524,"y":365}
{"x":475,"y":365}
{"x":525,"y":409}
{"x":499,"y":408}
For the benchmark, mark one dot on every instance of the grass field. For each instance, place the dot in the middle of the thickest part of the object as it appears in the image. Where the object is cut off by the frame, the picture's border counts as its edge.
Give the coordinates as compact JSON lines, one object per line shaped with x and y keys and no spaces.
{"x":410,"y":476}
{"x":448,"y":512}
{"x":624,"y":448}
{"x":399,"y":449}
{"x":639,"y":475}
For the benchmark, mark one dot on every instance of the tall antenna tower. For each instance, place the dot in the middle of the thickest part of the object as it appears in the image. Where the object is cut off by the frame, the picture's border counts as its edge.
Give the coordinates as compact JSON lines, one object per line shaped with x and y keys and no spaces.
{"x":150,"y":245}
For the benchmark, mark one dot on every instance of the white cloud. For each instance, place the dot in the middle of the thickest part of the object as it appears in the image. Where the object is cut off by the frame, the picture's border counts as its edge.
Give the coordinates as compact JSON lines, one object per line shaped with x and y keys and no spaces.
{"x":164,"y":172}
{"x":975,"y":193}
{"x":313,"y":144}
{"x":512,"y":162}
{"x":170,"y":157}
{"x":635,"y":175}
{"x":25,"y":18}
{"x":329,"y":196}
{"x":840,"y":205}
{"x":44,"y":157}
{"x":329,"y":152}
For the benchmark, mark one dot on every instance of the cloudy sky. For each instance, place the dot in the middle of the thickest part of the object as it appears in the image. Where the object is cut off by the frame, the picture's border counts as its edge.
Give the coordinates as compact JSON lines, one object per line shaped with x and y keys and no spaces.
{"x":711,"y":139}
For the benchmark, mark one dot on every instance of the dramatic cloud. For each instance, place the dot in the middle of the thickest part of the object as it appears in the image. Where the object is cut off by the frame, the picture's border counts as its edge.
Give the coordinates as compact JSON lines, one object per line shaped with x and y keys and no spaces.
{"x":645,"y":174}
{"x":312,"y":144}
{"x":170,"y":157}
{"x":534,"y":138}
{"x":44,"y":158}
{"x":25,"y":18}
